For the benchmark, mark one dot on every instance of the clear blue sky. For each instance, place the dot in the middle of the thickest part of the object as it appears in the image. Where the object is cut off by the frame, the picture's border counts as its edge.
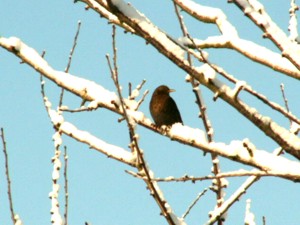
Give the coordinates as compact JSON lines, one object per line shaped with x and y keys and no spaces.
{"x":100,"y":191}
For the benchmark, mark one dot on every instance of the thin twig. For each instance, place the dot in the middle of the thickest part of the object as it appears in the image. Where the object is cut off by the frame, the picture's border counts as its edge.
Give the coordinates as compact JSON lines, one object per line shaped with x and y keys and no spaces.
{"x":73,"y":47}
{"x":194,"y":202}
{"x":193,"y":179}
{"x":129,"y":89}
{"x":141,"y":100}
{"x":139,"y":87}
{"x":264,"y":220}
{"x":132,"y":94}
{"x":8,"y":177}
{"x":66,"y":186}
{"x":286,"y":103}
{"x":70,"y":60}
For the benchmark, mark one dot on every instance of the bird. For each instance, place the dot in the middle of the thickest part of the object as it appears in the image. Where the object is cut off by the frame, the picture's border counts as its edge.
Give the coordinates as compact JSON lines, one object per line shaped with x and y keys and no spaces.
{"x":163,"y":108}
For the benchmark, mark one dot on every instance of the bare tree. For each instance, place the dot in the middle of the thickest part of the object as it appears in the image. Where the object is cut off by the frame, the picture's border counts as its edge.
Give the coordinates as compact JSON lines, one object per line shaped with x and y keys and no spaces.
{"x":188,"y":53}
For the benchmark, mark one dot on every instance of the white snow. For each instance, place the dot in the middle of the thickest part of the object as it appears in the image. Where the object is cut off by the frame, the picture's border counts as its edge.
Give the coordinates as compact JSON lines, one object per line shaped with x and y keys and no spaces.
{"x":188,"y":78}
{"x":93,"y":105}
{"x":18,"y":220}
{"x":15,"y":43}
{"x":96,"y":143}
{"x":286,"y":135}
{"x":56,"y":118}
{"x":135,"y":93}
{"x":224,"y":183}
{"x":249,"y":216}
{"x":137,"y":115}
{"x":215,"y":161}
{"x":64,"y":107}
{"x":131,"y":104}
{"x":238,"y":86}
{"x":55,"y":175}
{"x":149,"y":28}
{"x":57,"y":139}
{"x":208,"y":72}
{"x":187,"y":133}
{"x":295,"y":127}
{"x":86,"y":88}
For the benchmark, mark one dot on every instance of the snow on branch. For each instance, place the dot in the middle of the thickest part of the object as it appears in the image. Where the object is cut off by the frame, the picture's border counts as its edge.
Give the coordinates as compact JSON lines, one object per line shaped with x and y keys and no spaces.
{"x":242,"y":151}
{"x":102,"y":10}
{"x":194,"y":137}
{"x":251,"y":50}
{"x":230,"y":39}
{"x":249,"y":216}
{"x":256,"y":12}
{"x":86,"y":89}
{"x":111,"y":151}
{"x":174,"y":51}
{"x":293,"y":25}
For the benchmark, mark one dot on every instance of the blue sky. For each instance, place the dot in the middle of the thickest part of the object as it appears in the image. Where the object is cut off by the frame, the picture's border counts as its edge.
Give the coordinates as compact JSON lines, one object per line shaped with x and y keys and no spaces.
{"x":100,"y":191}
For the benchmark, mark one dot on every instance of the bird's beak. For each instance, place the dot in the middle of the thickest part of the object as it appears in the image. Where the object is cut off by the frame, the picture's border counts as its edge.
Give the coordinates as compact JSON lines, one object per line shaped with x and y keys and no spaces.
{"x":171,"y":90}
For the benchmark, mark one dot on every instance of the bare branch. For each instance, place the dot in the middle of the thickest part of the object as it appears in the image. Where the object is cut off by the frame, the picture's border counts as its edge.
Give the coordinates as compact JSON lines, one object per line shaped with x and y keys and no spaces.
{"x":70,"y":60}
{"x":193,"y":179}
{"x":73,"y":47}
{"x":256,"y":12}
{"x":264,"y":220}
{"x":9,"y":193}
{"x":294,"y":36}
{"x":284,"y":98}
{"x":142,"y":99}
{"x":194,"y":202}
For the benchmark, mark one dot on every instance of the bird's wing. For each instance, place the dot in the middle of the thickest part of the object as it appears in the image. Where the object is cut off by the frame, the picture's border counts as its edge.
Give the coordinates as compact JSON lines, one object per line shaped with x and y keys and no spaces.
{"x":172,"y":109}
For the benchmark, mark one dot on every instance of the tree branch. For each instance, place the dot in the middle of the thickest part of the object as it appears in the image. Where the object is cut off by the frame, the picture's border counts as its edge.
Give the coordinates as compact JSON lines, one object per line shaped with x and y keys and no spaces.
{"x":193,"y":137}
{"x":9,"y":193}
{"x":255,"y":11}
{"x":164,"y":44}
{"x":230,"y":39}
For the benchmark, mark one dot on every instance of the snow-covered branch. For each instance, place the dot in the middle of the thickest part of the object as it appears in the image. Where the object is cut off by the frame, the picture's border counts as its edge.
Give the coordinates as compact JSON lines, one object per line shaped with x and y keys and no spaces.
{"x":194,"y":137}
{"x":230,"y":39}
{"x":253,"y":51}
{"x":293,"y":25}
{"x":174,"y":51}
{"x":237,"y":150}
{"x":256,"y":12}
{"x":102,"y":10}
{"x":218,"y":212}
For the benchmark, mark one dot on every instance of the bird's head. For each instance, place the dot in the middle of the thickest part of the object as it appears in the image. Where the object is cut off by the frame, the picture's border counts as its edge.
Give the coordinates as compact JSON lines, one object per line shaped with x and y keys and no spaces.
{"x":163,"y":90}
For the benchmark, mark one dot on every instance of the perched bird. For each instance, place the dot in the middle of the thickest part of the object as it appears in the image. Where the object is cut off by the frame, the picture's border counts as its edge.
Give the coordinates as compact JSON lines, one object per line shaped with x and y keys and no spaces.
{"x":163,"y":108}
